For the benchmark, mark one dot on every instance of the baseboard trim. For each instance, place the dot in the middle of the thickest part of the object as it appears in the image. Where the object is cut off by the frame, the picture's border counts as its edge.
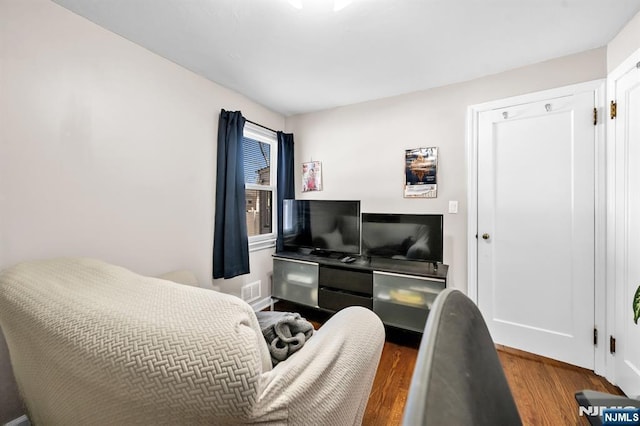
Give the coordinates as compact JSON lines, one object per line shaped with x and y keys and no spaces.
{"x":20,"y":421}
{"x":261,"y":304}
{"x":539,"y":358}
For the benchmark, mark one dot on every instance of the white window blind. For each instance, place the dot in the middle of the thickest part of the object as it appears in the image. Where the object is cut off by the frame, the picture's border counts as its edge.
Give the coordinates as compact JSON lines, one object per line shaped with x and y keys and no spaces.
{"x":260,"y":160}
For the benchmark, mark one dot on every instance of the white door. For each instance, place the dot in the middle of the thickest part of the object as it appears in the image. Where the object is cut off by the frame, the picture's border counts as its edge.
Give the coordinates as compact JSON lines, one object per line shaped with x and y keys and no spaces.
{"x":627,"y":231}
{"x":535,"y":272}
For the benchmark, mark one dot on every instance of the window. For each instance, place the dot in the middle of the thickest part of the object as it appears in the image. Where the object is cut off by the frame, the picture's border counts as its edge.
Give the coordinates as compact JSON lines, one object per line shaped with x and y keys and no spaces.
{"x":260,"y":165}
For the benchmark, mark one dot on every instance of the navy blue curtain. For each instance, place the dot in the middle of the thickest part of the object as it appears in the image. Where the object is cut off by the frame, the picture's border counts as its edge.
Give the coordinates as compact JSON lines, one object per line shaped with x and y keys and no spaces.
{"x":284,"y":186}
{"x":230,"y":241}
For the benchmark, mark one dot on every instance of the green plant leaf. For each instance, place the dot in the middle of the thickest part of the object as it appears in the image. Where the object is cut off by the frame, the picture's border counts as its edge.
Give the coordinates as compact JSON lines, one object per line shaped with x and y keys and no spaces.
{"x":636,"y":306}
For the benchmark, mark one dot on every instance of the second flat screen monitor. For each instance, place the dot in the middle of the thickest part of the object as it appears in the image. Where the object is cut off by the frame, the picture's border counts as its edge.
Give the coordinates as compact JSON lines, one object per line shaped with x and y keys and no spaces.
{"x":403,"y":236}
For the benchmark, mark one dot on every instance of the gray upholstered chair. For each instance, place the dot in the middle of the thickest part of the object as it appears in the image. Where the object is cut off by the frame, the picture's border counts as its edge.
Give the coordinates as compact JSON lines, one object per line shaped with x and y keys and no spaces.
{"x":458,"y":378}
{"x":92,"y":344}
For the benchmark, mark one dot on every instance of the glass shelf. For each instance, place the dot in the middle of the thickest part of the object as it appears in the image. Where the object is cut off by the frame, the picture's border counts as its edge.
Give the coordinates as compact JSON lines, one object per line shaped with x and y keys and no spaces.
{"x":296,"y":281}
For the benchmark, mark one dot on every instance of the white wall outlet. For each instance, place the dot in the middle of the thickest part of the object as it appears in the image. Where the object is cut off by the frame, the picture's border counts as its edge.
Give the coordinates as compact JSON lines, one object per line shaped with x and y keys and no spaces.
{"x":251,"y":291}
{"x":453,"y":207}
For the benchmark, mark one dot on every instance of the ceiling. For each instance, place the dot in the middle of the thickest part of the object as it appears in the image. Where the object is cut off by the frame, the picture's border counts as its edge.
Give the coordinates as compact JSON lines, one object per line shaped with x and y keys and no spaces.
{"x":295,"y":60}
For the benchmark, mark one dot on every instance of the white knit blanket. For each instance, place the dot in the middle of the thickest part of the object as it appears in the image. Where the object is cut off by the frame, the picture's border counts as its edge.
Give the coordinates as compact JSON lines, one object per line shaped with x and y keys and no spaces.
{"x":96,"y":344}
{"x":136,"y":347}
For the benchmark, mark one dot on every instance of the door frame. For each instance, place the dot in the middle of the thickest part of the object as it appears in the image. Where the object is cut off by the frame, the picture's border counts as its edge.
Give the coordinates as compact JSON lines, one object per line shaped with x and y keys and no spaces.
{"x":471,"y":145}
{"x":613,"y":249}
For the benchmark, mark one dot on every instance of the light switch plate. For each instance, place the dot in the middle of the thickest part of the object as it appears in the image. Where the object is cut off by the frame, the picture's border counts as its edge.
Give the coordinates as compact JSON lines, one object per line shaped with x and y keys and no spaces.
{"x":453,"y":207}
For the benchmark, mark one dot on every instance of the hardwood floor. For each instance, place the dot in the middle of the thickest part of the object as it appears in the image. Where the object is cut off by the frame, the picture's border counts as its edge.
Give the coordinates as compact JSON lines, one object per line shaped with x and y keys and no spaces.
{"x":391,"y":385}
{"x":542,"y":388}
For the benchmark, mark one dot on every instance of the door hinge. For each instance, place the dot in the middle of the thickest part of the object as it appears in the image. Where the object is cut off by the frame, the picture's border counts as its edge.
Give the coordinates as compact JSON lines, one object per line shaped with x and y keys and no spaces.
{"x":595,"y":116}
{"x":612,"y":344}
{"x":614,"y":109}
{"x":595,"y":336}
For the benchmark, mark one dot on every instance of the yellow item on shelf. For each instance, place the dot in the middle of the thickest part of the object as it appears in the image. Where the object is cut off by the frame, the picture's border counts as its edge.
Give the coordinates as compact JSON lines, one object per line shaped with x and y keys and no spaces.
{"x":406,"y":296}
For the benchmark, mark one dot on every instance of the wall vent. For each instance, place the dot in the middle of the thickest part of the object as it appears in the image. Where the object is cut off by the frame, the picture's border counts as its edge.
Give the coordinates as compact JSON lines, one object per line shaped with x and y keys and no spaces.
{"x":251,"y":291}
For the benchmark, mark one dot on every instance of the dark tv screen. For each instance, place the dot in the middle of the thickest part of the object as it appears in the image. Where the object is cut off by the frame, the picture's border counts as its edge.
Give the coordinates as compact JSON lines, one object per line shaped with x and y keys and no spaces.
{"x":403,"y":236}
{"x":322,"y":225}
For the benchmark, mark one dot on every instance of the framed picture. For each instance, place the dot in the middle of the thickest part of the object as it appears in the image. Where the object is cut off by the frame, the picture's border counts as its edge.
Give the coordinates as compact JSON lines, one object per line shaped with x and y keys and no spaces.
{"x":312,"y":176}
{"x":420,"y":170}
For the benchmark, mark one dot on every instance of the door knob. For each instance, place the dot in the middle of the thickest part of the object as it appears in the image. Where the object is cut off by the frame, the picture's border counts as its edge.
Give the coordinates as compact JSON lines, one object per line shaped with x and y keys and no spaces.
{"x":485,"y":236}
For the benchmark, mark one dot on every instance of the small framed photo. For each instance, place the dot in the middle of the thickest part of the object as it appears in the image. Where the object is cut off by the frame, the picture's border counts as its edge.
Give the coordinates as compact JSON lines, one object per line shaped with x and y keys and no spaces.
{"x":312,"y":176}
{"x":421,"y":170}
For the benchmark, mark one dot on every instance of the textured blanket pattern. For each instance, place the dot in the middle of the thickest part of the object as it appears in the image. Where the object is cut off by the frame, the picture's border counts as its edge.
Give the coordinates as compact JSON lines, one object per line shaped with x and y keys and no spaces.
{"x":96,"y":344}
{"x":128,"y":346}
{"x":284,"y":332}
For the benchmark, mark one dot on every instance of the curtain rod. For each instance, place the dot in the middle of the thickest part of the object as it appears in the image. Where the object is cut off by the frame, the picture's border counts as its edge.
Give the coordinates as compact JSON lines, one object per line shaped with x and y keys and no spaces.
{"x":260,"y":125}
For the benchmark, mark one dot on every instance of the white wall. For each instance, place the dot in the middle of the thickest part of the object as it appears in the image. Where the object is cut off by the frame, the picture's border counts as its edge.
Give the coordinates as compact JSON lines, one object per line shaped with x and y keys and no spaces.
{"x":107,"y":150}
{"x":362,"y":146}
{"x":624,"y":44}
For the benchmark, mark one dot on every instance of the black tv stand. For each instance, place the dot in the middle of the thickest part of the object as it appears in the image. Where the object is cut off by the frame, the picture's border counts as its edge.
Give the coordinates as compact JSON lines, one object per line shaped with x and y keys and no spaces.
{"x":321,"y":253}
{"x":399,"y":291}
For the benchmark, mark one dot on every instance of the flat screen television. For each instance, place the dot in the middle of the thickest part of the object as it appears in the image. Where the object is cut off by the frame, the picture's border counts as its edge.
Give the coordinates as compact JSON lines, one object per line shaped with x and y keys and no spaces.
{"x":324,"y":226}
{"x":403,"y":236}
